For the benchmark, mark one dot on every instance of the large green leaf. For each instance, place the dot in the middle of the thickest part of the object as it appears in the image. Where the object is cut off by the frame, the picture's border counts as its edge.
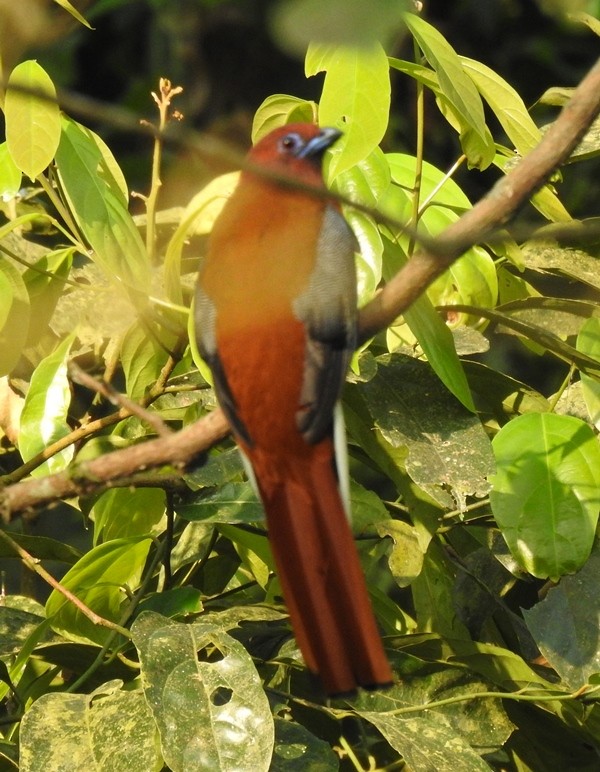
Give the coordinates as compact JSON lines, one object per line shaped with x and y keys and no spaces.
{"x":15,"y":314}
{"x":44,"y":416}
{"x":448,"y":451}
{"x":32,"y":123}
{"x":355,"y":98}
{"x":457,"y":88}
{"x":109,"y":729}
{"x":97,"y":580}
{"x":206,"y":696}
{"x":95,"y":195}
{"x":546,"y":491}
{"x":565,"y":624}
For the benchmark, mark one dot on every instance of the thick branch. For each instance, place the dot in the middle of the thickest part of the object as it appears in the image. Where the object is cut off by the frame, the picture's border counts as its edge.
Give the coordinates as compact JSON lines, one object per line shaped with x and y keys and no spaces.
{"x":487,"y":215}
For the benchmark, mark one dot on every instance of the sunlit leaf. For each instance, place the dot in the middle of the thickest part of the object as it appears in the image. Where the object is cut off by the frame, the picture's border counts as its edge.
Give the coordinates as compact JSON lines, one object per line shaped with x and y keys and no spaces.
{"x":279,"y":109}
{"x":355,"y":98}
{"x":205,"y":678}
{"x":457,"y":87}
{"x":10,"y":175}
{"x":32,"y":122}
{"x":96,"y":198}
{"x":45,"y":412}
{"x":97,"y":580}
{"x":546,"y":491}
{"x":107,"y":729}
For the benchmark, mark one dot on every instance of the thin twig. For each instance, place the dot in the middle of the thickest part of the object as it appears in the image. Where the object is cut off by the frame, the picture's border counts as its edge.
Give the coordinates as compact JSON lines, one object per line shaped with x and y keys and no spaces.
{"x":34,"y":565}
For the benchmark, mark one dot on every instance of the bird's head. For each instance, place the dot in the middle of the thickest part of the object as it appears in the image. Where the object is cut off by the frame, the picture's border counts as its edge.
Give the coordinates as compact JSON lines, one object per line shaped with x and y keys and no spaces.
{"x":296,"y":149}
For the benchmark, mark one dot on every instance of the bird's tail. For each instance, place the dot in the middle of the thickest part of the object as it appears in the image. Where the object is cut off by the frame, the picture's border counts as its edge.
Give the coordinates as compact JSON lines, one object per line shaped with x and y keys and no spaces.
{"x":322,"y":579}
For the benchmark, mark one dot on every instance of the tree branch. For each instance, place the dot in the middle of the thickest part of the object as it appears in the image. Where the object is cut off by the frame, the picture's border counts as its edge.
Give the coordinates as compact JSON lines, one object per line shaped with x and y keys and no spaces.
{"x":493,"y":211}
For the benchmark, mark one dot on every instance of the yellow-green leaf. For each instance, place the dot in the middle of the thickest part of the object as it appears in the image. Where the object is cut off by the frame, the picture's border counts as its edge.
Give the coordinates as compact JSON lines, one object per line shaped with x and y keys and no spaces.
{"x":32,"y":122}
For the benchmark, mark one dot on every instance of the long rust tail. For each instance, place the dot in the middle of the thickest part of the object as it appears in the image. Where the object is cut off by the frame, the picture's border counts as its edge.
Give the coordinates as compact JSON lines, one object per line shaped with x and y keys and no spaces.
{"x":322,"y":579}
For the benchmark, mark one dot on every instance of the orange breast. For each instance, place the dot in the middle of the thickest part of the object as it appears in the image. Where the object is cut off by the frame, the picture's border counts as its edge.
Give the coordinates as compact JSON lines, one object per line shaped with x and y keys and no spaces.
{"x":262,"y":254}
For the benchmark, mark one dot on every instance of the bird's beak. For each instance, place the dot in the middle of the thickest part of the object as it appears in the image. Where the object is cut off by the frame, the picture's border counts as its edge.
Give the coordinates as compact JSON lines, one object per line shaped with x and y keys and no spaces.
{"x":316,"y":146}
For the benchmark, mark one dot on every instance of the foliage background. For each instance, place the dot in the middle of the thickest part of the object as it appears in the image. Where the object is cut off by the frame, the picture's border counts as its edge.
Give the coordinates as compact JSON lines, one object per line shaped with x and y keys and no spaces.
{"x":482,"y":628}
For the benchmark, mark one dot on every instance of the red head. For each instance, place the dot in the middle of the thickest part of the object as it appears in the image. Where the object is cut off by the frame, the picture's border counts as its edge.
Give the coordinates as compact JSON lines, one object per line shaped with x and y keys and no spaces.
{"x":296,"y":149}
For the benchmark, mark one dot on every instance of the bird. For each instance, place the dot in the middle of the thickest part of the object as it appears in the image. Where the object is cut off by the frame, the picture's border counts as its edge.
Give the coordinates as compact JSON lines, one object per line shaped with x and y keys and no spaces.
{"x":275,"y":319}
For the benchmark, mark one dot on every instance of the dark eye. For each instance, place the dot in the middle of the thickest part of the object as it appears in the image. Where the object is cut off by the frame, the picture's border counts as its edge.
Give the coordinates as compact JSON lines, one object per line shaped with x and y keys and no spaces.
{"x":291,"y":143}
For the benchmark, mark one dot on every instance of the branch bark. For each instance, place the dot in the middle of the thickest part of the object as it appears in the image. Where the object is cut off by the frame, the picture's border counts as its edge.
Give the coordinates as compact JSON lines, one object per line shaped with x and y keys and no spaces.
{"x":490,"y":213}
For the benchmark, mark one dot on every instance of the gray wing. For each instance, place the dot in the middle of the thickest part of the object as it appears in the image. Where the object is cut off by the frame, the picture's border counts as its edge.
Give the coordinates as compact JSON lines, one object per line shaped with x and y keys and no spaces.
{"x":328,"y":309}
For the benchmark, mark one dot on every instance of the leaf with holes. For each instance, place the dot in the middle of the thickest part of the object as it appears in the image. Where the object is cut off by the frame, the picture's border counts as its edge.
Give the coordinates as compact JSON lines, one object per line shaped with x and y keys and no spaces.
{"x":205,"y":678}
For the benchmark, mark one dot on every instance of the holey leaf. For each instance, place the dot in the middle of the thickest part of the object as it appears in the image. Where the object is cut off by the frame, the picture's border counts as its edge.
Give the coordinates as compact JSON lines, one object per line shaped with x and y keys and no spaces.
{"x":32,"y":123}
{"x":44,"y":416}
{"x":205,"y":695}
{"x":546,"y":492}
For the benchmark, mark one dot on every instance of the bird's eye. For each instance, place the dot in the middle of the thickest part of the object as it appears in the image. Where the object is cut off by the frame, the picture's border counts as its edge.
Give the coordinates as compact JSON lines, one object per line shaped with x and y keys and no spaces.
{"x":290,"y":143}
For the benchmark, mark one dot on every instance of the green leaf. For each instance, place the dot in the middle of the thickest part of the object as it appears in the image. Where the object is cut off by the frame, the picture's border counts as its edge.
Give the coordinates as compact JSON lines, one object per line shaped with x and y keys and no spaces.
{"x":565,"y":624}
{"x":32,"y":123}
{"x":588,"y":342}
{"x":108,"y":729}
{"x":296,"y":748}
{"x":144,"y":508}
{"x":97,"y":580}
{"x":447,"y":447}
{"x":370,"y":253}
{"x":406,"y":558}
{"x":15,"y":314}
{"x":95,"y":197}
{"x":458,"y":88}
{"x":10,"y":175}
{"x":45,"y":411}
{"x":42,"y":548}
{"x":279,"y":109}
{"x":433,"y":598}
{"x":231,"y":503}
{"x":427,"y":743}
{"x":546,"y":491}
{"x":432,"y":333}
{"x":355,"y":98}
{"x":142,"y":358}
{"x":507,"y":105}
{"x":207,"y":680}
{"x":45,"y":282}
